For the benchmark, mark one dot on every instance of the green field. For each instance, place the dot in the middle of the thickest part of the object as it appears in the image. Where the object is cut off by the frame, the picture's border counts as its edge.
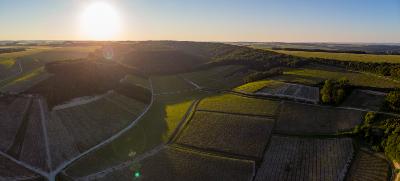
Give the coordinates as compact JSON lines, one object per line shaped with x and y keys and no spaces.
{"x":153,"y":129}
{"x":320,"y":73}
{"x":25,"y":81}
{"x":221,"y":77}
{"x":237,"y":104}
{"x":344,"y":56}
{"x":170,"y":84}
{"x":255,"y":86}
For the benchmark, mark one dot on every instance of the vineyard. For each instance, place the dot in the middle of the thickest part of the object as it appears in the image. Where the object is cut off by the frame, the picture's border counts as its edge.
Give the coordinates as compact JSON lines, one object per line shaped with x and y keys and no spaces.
{"x":12,"y":113}
{"x":230,"y":103}
{"x":91,"y":123}
{"x":227,"y":133}
{"x":367,"y":167}
{"x":12,"y":171}
{"x":177,"y":164}
{"x":292,"y":91}
{"x":170,"y":84}
{"x":296,"y":118}
{"x":366,"y":100}
{"x":291,"y":158}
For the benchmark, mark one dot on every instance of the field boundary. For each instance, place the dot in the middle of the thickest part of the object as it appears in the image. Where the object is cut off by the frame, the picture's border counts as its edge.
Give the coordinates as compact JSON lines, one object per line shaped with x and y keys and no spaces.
{"x":239,"y":114}
{"x":184,"y":122}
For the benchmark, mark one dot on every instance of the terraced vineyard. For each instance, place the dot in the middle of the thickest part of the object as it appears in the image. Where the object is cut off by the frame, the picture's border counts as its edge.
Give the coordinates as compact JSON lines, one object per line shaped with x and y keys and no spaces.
{"x":292,"y":158}
{"x":227,"y":133}
{"x":368,"y":167}
{"x":296,"y":118}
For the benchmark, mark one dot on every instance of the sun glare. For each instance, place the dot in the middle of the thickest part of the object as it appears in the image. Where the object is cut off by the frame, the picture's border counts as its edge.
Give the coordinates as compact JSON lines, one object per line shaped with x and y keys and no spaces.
{"x":100,"y":21}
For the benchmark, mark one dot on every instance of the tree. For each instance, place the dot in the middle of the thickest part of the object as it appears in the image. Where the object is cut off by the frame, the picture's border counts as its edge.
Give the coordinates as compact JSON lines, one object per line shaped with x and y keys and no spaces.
{"x":339,"y":96}
{"x":326,"y":91}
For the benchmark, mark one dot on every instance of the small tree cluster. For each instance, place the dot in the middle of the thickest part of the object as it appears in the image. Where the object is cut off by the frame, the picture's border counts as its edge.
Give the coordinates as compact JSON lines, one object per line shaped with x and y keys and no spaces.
{"x":333,"y":92}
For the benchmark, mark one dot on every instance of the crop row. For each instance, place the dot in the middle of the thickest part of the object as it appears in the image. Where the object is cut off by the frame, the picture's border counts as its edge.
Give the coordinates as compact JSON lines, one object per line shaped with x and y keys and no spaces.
{"x":291,"y":158}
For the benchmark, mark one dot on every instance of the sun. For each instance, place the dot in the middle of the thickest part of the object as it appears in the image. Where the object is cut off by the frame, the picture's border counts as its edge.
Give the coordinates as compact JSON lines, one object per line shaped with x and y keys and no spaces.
{"x":100,"y":21}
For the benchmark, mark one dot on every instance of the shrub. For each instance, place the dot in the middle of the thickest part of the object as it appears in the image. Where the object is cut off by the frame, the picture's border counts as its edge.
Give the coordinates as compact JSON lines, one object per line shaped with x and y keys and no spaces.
{"x":393,"y":100}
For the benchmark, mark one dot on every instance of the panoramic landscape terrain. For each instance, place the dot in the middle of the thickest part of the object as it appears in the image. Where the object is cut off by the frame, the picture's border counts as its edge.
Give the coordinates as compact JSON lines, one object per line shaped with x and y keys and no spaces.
{"x":98,"y":107}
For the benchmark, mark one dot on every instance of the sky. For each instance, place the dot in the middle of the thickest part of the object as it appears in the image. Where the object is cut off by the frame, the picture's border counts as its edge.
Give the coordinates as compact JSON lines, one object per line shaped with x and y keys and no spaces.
{"x":369,"y":21}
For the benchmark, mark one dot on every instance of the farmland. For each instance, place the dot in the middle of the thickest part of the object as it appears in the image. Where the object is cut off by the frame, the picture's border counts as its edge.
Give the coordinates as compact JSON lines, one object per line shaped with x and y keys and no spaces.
{"x":12,"y":171}
{"x":321,"y":73}
{"x":222,"y":77}
{"x":230,"y":103}
{"x":172,"y":164}
{"x":154,"y":128}
{"x":367,"y":167}
{"x":232,"y":134}
{"x":344,"y":56}
{"x":294,"y":158}
{"x":296,"y":118}
{"x":103,"y":119}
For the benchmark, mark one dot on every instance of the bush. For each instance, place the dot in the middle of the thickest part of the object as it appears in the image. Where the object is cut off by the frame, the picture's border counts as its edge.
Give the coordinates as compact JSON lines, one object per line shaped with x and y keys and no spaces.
{"x":393,"y":100}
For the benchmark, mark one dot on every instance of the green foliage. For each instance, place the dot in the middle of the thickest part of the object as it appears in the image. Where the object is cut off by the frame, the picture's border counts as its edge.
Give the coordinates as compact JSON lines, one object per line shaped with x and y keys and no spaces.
{"x":333,"y":92}
{"x":393,"y":100}
{"x":392,"y":148}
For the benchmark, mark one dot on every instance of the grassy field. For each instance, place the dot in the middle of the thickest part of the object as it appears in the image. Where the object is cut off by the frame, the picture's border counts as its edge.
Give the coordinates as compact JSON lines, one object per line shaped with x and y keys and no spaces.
{"x":221,"y":77}
{"x":227,"y":133}
{"x":255,"y":86}
{"x":136,"y":80}
{"x":296,"y":118}
{"x":237,"y":104}
{"x":170,"y":84}
{"x":25,"y":81}
{"x":319,"y":73}
{"x":179,"y":164}
{"x":344,"y":56}
{"x":154,"y":128}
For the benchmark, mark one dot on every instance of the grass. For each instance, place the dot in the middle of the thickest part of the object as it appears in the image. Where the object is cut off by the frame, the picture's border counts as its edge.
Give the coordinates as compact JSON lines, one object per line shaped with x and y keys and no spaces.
{"x":255,"y":86}
{"x":7,"y":63}
{"x":153,"y":129}
{"x":359,"y":79}
{"x":344,"y":56}
{"x":237,"y":104}
{"x":170,"y":84}
{"x":136,"y":80}
{"x":221,"y":77}
{"x":25,"y":81}
{"x":227,"y":133}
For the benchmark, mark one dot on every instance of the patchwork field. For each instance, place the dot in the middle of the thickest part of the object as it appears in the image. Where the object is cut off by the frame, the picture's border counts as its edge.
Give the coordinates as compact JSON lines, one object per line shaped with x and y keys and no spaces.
{"x":177,"y":164}
{"x":320,"y":73}
{"x":153,"y":129}
{"x":226,"y":133}
{"x":367,"y":167}
{"x":292,"y":158}
{"x":365,"y":99}
{"x":296,"y":118}
{"x":230,"y":103}
{"x":221,"y":77}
